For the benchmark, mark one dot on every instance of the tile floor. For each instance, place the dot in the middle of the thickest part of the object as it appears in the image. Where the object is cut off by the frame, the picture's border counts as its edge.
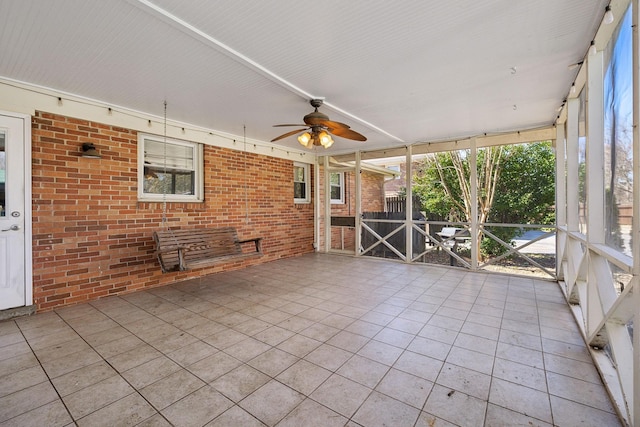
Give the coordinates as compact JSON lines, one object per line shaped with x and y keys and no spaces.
{"x":319,"y":340}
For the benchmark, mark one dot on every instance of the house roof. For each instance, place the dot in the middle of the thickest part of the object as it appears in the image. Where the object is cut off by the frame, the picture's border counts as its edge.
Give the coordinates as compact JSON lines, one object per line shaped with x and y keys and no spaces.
{"x":398,"y":72}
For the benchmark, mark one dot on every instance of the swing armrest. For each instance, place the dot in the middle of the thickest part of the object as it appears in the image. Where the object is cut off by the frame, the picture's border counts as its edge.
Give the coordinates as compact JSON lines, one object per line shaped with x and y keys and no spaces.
{"x":257,"y":240}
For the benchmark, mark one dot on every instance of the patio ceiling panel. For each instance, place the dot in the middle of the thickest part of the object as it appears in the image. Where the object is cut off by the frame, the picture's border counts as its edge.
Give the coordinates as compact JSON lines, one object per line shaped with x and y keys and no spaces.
{"x":418,"y":70}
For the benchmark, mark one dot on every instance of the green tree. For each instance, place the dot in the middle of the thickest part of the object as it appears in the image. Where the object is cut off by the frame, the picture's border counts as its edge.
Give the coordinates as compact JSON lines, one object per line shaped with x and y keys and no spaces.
{"x":516,"y":184}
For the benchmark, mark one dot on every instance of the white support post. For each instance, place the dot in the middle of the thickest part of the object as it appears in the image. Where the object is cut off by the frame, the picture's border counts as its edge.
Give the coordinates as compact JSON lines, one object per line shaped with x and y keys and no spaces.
{"x":561,"y":193}
{"x":316,"y":207}
{"x":572,"y":188}
{"x":634,"y":401}
{"x":327,"y":205}
{"x":358,"y":185}
{"x":409,"y":208}
{"x":595,"y":148}
{"x":473,"y":176}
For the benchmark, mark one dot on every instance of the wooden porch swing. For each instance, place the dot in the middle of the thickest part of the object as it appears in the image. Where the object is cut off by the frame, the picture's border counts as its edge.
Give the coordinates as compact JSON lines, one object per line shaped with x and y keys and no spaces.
{"x":186,"y":249}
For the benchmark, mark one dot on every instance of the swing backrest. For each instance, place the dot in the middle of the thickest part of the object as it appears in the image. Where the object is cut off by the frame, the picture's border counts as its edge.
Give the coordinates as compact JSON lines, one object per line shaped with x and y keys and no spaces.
{"x":196,"y":245}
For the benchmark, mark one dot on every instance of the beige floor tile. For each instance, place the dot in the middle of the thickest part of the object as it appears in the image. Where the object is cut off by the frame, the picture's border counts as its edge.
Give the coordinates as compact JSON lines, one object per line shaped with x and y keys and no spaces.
{"x":465,"y":380}
{"x":236,"y":416}
{"x":119,"y":346}
{"x":12,"y":350}
{"x":381,"y":352}
{"x":328,"y":356}
{"x":71,"y":362}
{"x":405,"y":387}
{"x":311,"y":413}
{"x":446,"y":403}
{"x":419,"y":365}
{"x":406,"y":325}
{"x":272,"y":402}
{"x":156,"y":420}
{"x":240,"y":382}
{"x":532,"y":342}
{"x":191,"y":353}
{"x":83,"y":377}
{"x":381,"y":410}
{"x":96,"y":396}
{"x":569,"y":413}
{"x":571,"y":368}
{"x":60,"y":350}
{"x":569,"y":350}
{"x":364,"y":371}
{"x":498,"y":416}
{"x":304,"y":376}
{"x":52,"y":414}
{"x":25,"y":400}
{"x":520,"y":399}
{"x":520,"y":355}
{"x":173,"y":342}
{"x":17,"y":363}
{"x":428,"y":347}
{"x":128,"y":411}
{"x":394,"y":337}
{"x":366,"y":329}
{"x":198,"y":408}
{"x":584,"y":392}
{"x":11,"y":338}
{"x":426,"y":419}
{"x":438,"y":333}
{"x":214,"y":366}
{"x":272,"y":362}
{"x":520,"y":374}
{"x":320,"y":332}
{"x":274,"y":335}
{"x":171,"y":388}
{"x":22,"y":379}
{"x":341,"y":395}
{"x":150,"y":372}
{"x":348,"y":341}
{"x":225,"y":339}
{"x":134,"y":357}
{"x":247,"y":349}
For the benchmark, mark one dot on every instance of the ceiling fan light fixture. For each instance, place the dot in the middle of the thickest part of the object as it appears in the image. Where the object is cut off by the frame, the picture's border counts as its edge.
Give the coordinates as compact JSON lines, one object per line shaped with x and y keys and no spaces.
{"x":325,"y":139}
{"x":592,"y":48}
{"x":305,"y":139}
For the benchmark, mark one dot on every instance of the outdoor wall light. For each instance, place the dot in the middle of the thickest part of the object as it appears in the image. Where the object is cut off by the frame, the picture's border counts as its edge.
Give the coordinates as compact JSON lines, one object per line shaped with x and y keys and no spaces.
{"x":89,"y":151}
{"x":608,"y":16}
{"x":592,"y":48}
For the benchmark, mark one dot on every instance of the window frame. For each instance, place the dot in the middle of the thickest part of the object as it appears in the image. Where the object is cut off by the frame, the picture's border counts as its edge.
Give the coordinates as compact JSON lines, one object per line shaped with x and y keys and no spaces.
{"x":339,"y":201}
{"x":307,"y":192}
{"x":198,"y":169}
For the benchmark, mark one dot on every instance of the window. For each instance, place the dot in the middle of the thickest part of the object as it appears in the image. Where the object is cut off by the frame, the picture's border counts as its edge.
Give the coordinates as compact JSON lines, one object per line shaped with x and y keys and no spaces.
{"x":337,"y":187}
{"x":169,"y":171}
{"x":301,"y":183}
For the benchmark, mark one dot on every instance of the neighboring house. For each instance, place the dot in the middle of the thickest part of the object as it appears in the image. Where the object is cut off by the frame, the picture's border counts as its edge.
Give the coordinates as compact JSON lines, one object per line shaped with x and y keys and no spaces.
{"x":343,"y":201}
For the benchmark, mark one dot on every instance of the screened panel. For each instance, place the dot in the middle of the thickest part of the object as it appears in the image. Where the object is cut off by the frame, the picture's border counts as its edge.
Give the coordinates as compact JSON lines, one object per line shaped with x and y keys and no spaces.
{"x":618,"y":137}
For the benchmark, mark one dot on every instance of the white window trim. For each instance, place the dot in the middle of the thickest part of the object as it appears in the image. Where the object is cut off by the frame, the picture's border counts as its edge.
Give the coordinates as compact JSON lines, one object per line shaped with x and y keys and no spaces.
{"x":307,"y":198}
{"x":339,"y":201}
{"x":198,"y":161}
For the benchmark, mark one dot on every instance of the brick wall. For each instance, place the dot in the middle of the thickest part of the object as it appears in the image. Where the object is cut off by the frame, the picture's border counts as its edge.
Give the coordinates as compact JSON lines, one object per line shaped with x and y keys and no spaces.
{"x":91,"y":236}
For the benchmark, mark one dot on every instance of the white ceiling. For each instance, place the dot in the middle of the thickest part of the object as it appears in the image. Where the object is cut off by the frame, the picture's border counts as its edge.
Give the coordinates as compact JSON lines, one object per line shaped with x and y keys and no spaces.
{"x":398,"y":72}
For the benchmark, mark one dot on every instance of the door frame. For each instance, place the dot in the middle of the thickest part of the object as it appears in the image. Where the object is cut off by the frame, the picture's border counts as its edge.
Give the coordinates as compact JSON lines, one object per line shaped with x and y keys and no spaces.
{"x":28,"y":225}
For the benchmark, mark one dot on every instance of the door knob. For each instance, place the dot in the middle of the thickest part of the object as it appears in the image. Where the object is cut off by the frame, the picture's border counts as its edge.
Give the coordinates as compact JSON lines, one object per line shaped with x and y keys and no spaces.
{"x":14,"y":227}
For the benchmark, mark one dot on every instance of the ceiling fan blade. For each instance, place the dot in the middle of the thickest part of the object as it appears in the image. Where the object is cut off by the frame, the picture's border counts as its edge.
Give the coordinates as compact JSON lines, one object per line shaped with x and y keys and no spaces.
{"x":277,"y":126}
{"x":347,"y":133}
{"x":317,"y":121}
{"x":287,"y":134}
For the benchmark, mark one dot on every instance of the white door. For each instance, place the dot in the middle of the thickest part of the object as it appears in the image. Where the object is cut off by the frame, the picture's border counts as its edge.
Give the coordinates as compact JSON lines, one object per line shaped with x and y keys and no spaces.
{"x":13,"y":277}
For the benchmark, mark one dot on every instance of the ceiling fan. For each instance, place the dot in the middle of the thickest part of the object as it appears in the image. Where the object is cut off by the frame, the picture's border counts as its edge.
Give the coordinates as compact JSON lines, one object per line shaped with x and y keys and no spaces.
{"x":318,"y":129}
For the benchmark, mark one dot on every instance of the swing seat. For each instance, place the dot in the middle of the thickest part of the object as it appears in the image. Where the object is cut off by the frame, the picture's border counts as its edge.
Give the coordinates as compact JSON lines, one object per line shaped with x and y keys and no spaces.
{"x":186,"y":249}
